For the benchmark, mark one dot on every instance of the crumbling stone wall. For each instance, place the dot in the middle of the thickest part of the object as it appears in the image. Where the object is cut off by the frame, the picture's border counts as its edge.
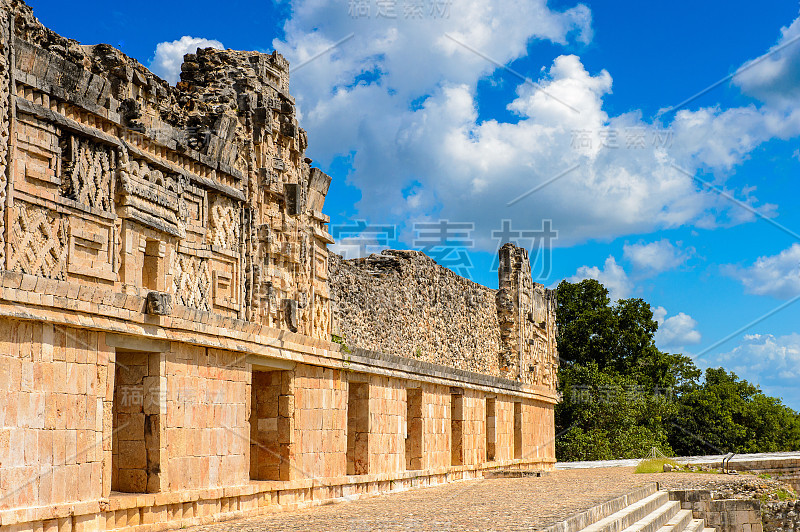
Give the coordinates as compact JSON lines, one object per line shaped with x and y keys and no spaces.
{"x":780,"y":516}
{"x":527,"y":319}
{"x":403,"y":303}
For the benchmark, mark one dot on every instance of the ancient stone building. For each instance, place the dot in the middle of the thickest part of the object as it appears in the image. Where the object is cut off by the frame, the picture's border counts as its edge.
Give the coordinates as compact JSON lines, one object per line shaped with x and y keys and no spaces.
{"x":177,"y":345}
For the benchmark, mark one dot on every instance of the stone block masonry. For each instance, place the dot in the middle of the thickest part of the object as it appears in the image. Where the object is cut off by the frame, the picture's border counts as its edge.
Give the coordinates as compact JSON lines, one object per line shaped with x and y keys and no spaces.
{"x":166,"y":316}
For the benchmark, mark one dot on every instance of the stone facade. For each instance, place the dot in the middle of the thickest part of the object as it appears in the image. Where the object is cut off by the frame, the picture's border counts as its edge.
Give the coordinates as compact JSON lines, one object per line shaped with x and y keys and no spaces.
{"x":201,"y":191}
{"x":166,"y":324}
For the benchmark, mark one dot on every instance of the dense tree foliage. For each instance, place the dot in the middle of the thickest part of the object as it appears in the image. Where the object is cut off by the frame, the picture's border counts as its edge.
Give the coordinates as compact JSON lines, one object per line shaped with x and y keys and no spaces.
{"x":621,"y":395}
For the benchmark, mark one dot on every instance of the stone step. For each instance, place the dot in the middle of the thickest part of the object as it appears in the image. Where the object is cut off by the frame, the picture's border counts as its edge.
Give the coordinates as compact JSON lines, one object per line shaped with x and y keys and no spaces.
{"x":629,"y":515}
{"x":695,"y":525}
{"x":709,"y":530}
{"x":654,"y":520}
{"x":678,"y":523}
{"x":596,"y":513}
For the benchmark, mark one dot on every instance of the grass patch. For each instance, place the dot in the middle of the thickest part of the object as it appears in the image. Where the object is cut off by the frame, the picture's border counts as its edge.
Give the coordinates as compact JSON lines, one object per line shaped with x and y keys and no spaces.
{"x":655,"y":465}
{"x":779,"y":494}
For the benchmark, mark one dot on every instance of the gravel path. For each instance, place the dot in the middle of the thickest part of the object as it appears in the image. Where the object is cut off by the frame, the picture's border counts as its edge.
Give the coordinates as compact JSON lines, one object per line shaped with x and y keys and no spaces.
{"x":483,"y":505}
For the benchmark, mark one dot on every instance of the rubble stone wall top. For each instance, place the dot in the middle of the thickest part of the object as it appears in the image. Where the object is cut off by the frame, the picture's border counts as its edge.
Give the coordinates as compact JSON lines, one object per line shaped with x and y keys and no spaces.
{"x":403,"y":303}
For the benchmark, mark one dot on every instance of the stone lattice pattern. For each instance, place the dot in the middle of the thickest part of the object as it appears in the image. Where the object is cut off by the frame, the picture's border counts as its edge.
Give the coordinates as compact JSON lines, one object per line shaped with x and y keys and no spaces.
{"x":198,"y":171}
{"x":191,"y":281}
{"x":87,"y":172}
{"x":38,"y":242}
{"x":225,"y":224}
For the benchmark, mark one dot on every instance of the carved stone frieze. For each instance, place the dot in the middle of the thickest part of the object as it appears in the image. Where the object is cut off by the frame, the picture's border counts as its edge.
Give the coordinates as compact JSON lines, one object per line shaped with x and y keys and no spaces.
{"x":88,"y":171}
{"x":39,"y":239}
{"x":191,"y":281}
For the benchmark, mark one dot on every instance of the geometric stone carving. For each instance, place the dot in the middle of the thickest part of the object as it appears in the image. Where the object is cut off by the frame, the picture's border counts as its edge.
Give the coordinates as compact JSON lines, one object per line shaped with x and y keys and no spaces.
{"x":225,"y":281}
{"x":191,"y":281}
{"x":5,"y":132}
{"x":39,"y":239}
{"x":225,"y":222}
{"x":321,"y":316}
{"x":88,"y":171}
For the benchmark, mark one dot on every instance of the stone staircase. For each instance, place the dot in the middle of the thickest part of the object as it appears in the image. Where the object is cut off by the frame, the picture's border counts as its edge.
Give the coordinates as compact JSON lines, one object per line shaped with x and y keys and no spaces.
{"x":645,"y":510}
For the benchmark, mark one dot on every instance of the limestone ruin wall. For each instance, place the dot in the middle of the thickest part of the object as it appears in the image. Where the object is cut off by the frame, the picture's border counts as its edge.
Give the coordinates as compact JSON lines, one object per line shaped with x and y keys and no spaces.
{"x":403,"y":303}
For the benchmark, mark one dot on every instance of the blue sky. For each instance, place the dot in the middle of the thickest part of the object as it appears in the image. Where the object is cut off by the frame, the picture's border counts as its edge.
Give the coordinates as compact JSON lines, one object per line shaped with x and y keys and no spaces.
{"x":417,"y":123}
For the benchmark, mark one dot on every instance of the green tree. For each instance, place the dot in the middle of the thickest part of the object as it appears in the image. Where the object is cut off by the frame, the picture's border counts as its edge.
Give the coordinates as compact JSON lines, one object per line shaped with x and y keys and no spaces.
{"x":618,"y":338}
{"x":621,"y":395}
{"x":728,"y":414}
{"x":605,"y":415}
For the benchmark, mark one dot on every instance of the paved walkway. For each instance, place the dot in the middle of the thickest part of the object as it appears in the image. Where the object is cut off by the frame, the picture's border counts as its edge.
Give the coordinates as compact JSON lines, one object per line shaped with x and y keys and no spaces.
{"x":478,"y":505}
{"x":492,"y":504}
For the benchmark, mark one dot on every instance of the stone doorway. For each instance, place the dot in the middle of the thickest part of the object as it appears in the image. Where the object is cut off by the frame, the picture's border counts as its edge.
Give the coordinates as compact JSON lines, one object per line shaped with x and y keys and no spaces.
{"x":413,"y":428}
{"x":270,"y":425}
{"x":456,"y":428}
{"x":491,"y":433}
{"x":518,"y":430}
{"x":358,"y":428}
{"x":135,"y":443}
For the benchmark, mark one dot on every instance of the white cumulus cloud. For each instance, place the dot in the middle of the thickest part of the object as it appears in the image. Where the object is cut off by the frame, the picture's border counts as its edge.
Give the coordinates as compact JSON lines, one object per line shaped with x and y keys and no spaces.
{"x":612,"y":276}
{"x":776,"y":275}
{"x":656,"y":257}
{"x":775,"y":76}
{"x":675,"y":332}
{"x":169,"y":55}
{"x":401,"y":98}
